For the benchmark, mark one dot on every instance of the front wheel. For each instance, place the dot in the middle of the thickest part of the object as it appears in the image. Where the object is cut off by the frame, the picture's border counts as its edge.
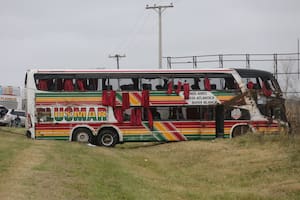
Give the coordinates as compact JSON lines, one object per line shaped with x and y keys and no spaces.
{"x":82,"y":135}
{"x":107,"y":138}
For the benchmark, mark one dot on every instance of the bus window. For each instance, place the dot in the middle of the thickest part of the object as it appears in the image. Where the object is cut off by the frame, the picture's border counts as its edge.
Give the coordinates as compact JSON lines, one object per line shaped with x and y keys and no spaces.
{"x":42,"y":84}
{"x":129,"y":84}
{"x":202,"y":113}
{"x":158,"y":113}
{"x":219,"y":84}
{"x":207,"y":84}
{"x":44,"y":115}
{"x":195,"y":85}
{"x":230,"y":83}
{"x":81,"y":85}
{"x":68,"y":85}
{"x":92,"y":84}
{"x":181,"y":81}
{"x":113,"y":84}
{"x":151,"y":84}
{"x":173,"y":113}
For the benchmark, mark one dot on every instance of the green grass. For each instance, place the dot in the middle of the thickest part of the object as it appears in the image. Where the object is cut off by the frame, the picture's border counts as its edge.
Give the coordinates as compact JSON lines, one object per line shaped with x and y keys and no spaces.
{"x":249,"y":167}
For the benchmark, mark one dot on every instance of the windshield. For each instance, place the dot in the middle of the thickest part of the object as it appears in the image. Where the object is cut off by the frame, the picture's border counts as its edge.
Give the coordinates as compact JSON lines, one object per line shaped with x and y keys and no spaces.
{"x":260,"y":80}
{"x":266,"y":92}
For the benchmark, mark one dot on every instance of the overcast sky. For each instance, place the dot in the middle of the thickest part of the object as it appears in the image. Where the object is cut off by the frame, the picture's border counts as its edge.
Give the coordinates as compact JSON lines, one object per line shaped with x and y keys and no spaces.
{"x":83,"y":33}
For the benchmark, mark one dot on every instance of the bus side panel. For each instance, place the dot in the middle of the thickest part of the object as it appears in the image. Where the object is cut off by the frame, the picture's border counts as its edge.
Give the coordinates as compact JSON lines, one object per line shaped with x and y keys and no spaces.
{"x":56,"y":131}
{"x":197,"y":130}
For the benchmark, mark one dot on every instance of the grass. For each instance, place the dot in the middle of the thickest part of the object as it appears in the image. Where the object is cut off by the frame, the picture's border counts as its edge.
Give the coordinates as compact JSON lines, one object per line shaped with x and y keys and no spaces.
{"x":249,"y":167}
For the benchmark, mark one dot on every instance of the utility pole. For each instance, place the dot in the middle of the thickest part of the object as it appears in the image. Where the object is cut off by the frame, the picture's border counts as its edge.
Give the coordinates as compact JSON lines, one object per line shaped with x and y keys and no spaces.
{"x":117,"y":57}
{"x":298,"y":58}
{"x":159,"y":10}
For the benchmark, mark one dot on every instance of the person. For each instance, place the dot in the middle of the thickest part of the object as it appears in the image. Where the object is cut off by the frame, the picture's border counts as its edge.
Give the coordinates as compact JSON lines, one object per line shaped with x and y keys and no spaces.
{"x":17,"y":121}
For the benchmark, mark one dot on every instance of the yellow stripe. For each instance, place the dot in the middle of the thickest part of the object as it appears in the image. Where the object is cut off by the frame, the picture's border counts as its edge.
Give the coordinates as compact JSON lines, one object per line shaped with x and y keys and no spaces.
{"x":164,"y":131}
{"x":135,"y":132}
{"x":165,"y":98}
{"x":268,"y":130}
{"x":133,"y":100}
{"x":63,"y":99}
{"x":49,"y":133}
{"x":224,"y":98}
{"x":198,"y":131}
{"x":227,"y":130}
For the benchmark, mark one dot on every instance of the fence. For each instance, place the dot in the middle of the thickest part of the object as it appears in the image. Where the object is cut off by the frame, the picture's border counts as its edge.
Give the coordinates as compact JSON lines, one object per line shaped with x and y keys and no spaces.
{"x":284,"y":66}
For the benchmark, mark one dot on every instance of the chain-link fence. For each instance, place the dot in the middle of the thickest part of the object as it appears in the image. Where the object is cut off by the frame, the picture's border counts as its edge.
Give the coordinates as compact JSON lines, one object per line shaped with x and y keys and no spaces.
{"x":284,"y":66}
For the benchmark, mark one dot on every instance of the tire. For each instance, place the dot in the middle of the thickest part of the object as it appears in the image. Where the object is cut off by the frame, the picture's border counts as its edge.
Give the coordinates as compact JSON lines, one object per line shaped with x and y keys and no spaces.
{"x":107,"y":138}
{"x":82,"y":135}
{"x":240,"y":130}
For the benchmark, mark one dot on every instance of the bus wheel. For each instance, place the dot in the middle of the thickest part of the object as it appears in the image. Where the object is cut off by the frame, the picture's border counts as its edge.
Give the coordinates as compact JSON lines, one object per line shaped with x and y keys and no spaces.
{"x":240,"y":130}
{"x":82,"y":135}
{"x":107,"y":138}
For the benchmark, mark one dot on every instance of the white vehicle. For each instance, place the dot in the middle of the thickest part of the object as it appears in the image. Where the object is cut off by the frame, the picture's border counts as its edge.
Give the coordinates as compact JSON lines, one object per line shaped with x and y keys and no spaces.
{"x":3,"y":111}
{"x":13,"y":118}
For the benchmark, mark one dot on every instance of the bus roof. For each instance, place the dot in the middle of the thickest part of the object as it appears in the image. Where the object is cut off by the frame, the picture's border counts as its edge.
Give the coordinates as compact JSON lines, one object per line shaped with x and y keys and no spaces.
{"x":188,"y":71}
{"x":245,"y":73}
{"x":248,"y":73}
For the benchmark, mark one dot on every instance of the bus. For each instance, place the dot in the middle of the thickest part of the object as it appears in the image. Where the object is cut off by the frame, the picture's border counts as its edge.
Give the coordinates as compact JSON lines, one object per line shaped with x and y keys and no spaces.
{"x":109,"y":107}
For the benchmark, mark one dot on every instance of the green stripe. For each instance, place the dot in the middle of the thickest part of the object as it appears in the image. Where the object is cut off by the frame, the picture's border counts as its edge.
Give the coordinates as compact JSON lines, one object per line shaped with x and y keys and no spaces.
{"x":161,"y":93}
{"x":119,"y":96}
{"x":156,"y":132}
{"x":52,"y":138}
{"x":200,"y":137}
{"x":139,"y":138}
{"x":217,"y":93}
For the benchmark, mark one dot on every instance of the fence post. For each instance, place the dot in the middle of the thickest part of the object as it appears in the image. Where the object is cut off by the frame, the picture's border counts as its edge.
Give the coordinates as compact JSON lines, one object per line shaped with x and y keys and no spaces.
{"x":247,"y":61}
{"x":194,"y":62}
{"x":220,"y":60}
{"x":169,"y":62}
{"x":275,"y":66}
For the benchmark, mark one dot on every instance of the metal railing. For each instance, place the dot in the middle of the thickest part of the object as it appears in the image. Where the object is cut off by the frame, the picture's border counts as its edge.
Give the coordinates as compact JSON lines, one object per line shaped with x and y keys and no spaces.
{"x":281,"y":64}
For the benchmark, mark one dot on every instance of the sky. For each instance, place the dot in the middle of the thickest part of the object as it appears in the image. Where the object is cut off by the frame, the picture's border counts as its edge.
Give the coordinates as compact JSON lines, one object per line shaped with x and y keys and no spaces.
{"x":83,"y":33}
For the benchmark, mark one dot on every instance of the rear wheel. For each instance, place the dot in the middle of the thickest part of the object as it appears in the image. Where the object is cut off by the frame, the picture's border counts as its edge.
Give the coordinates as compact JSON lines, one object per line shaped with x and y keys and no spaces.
{"x":107,"y":138}
{"x":240,"y":130}
{"x":82,"y":135}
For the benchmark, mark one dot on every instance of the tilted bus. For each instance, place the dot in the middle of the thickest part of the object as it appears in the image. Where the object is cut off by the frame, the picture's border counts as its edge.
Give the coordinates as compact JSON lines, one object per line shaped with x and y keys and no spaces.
{"x":107,"y":107}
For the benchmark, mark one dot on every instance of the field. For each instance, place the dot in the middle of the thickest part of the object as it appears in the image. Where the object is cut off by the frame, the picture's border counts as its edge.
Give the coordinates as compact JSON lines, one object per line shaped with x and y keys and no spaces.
{"x":249,"y":167}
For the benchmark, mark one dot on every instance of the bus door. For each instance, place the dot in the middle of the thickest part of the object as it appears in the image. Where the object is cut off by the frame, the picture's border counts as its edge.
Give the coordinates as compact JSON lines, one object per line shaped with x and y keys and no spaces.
{"x":219,"y":121}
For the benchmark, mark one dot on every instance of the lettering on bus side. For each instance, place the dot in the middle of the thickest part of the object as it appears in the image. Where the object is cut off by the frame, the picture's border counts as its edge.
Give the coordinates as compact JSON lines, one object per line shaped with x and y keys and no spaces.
{"x":78,"y":114}
{"x":202,"y":98}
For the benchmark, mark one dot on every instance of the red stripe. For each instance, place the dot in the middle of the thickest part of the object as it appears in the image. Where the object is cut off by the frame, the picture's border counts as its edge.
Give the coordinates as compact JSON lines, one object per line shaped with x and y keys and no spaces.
{"x":174,"y":131}
{"x":169,"y":102}
{"x":137,"y":95}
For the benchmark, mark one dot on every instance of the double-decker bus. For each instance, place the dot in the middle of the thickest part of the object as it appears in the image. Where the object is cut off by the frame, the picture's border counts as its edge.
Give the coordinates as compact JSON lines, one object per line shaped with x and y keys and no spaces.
{"x":107,"y":107}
